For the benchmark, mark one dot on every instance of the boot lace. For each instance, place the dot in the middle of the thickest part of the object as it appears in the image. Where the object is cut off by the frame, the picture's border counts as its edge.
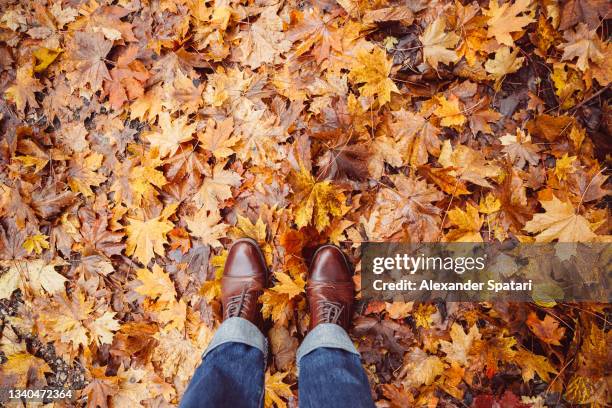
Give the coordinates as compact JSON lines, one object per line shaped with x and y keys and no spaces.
{"x":329,"y":311}
{"x":235,"y":304}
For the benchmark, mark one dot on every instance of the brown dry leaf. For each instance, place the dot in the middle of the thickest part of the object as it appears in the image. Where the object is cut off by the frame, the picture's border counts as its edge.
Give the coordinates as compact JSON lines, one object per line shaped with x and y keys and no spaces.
{"x":584,"y":44}
{"x":547,"y":330}
{"x":315,"y":33}
{"x":21,"y":93}
{"x":88,"y":51}
{"x":283,"y":347}
{"x":264,"y":41}
{"x":520,"y":149}
{"x":417,"y":138}
{"x":550,"y":127}
{"x":443,"y":178}
{"x":411,"y":202}
{"x":585,"y":11}
{"x":216,"y":189}
{"x":100,"y":387}
{"x":83,"y":173}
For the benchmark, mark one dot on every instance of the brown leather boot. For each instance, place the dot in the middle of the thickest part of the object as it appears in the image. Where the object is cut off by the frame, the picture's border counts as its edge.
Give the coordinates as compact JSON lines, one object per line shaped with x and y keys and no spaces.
{"x":244,"y":278}
{"x":330,"y":288}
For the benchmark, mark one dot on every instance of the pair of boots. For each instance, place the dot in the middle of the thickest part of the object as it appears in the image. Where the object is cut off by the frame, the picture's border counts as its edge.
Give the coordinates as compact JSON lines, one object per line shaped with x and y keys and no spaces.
{"x":329,"y":289}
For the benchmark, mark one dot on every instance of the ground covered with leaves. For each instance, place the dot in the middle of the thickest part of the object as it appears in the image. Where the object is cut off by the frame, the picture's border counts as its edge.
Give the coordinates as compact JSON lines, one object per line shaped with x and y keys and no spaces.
{"x":141,"y":137}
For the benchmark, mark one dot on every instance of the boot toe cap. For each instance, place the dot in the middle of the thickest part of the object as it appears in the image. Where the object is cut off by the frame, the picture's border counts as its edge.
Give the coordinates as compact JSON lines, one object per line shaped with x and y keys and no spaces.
{"x":244,"y":259}
{"x":329,"y":264}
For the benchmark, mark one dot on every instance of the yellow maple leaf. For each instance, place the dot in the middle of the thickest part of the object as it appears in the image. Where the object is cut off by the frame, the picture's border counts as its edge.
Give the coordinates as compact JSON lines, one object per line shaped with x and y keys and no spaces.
{"x":101,"y":329}
{"x":461,"y":345}
{"x":171,"y":315}
{"x":564,"y":166}
{"x":256,"y":231}
{"x":275,"y":305}
{"x":37,"y":274}
{"x":318,"y":200}
{"x":20,"y":369}
{"x":504,"y":63}
{"x":437,"y":44}
{"x":38,"y":163}
{"x":217,"y":138}
{"x":531,"y":364}
{"x":449,"y":111}
{"x":505,"y":19}
{"x":422,"y":315}
{"x":420,"y":368}
{"x":45,"y":56}
{"x":468,"y":224}
{"x":216,"y":189}
{"x":156,"y":284}
{"x":569,"y":85}
{"x":145,"y":238}
{"x":470,"y":165}
{"x":211,"y":289}
{"x":171,"y":134}
{"x":208,"y":226}
{"x":489,"y":205}
{"x":145,"y":177}
{"x":287,"y":285}
{"x":82,"y":174}
{"x":561,"y":222}
{"x":398,"y":309}
{"x":36,"y":243}
{"x":276,"y":390}
{"x":372,"y":70}
{"x":148,"y":106}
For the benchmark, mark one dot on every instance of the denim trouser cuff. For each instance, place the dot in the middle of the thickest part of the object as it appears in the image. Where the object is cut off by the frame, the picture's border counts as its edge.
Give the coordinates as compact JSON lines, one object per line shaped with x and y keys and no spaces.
{"x":325,"y":335}
{"x":238,"y":330}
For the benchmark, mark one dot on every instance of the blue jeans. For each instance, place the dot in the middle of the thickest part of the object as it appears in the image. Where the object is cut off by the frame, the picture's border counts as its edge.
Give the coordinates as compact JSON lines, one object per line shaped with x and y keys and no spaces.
{"x":232,"y":370}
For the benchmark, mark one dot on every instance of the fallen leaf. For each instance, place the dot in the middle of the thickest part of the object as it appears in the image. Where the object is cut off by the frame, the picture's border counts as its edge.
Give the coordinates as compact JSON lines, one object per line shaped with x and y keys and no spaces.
{"x":372,"y":69}
{"x":438,"y":45}
{"x":547,"y":330}
{"x":560,"y":222}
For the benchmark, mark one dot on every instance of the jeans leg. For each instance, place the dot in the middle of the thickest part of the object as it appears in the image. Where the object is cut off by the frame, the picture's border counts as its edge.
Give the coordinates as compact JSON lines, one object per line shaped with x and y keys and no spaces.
{"x":232,"y":370}
{"x":330,"y":371}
